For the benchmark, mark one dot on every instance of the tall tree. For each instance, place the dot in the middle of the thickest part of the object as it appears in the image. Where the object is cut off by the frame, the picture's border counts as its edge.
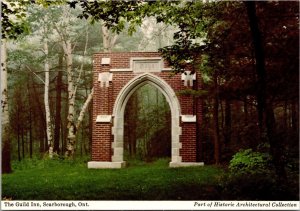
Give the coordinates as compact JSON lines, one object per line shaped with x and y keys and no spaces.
{"x":64,"y":31}
{"x":5,"y":131}
{"x":264,"y":107}
{"x":58,"y":104}
{"x":46,"y":93}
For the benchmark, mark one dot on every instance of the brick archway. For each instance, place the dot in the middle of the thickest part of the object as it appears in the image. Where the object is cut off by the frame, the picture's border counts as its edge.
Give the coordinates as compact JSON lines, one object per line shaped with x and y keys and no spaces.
{"x":116,"y":77}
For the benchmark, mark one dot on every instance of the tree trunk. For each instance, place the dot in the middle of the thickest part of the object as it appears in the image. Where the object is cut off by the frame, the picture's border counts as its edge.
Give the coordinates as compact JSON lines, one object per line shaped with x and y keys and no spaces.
{"x":260,"y":63}
{"x":30,"y":133}
{"x":285,"y":116}
{"x":46,"y":101}
{"x":131,"y":128}
{"x":70,"y":145}
{"x":30,"y":122}
{"x":42,"y":120}
{"x":58,"y":107}
{"x":105,"y":36}
{"x":84,"y":108}
{"x":263,"y":106}
{"x":63,"y":146}
{"x":216,"y":122}
{"x":19,"y":134}
{"x":134,"y":134}
{"x":276,"y":146}
{"x":295,"y":115}
{"x":245,"y":111}
{"x":5,"y":130}
{"x":72,"y":126}
{"x":227,"y":128}
{"x":19,"y":146}
{"x":23,"y":142}
{"x":109,"y":39}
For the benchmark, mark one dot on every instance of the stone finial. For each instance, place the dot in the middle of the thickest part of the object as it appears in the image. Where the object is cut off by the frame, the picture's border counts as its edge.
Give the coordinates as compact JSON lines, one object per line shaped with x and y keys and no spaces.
{"x":187,"y":76}
{"x":105,"y":77}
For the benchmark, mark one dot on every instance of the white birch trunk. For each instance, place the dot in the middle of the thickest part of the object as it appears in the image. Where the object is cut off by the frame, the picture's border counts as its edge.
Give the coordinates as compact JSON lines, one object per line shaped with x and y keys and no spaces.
{"x":84,"y":108}
{"x":109,"y":39}
{"x":46,"y":102}
{"x":71,"y":100}
{"x":81,"y":66}
{"x":4,"y":99}
{"x":105,"y":36}
{"x":6,"y":166}
{"x":73,"y":125}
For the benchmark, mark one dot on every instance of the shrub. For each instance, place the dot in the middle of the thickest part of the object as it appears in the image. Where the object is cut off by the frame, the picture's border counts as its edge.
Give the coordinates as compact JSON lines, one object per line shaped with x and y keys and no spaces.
{"x":250,"y":162}
{"x":46,"y":162}
{"x":251,"y":176}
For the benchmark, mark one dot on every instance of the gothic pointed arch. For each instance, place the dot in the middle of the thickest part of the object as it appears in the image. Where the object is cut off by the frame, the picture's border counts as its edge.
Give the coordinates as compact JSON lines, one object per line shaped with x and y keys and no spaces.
{"x":119,"y":109}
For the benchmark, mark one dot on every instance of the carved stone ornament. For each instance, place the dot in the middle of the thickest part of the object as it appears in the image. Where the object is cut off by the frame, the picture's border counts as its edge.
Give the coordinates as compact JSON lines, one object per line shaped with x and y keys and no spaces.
{"x":105,"y":78}
{"x":188,"y":77}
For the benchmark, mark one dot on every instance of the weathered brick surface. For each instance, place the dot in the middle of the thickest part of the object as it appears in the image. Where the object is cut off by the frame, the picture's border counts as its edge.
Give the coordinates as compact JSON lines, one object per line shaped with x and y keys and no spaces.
{"x":104,"y":99}
{"x":101,"y":142}
{"x":188,"y":139}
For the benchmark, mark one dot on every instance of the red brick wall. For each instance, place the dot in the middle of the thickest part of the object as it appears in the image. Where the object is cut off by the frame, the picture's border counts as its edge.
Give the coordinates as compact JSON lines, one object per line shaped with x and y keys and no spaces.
{"x":104,"y":98}
{"x":188,"y":140}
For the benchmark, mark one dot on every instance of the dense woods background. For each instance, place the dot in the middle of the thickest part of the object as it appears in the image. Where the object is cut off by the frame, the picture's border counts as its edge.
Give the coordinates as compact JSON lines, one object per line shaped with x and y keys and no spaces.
{"x":247,"y":53}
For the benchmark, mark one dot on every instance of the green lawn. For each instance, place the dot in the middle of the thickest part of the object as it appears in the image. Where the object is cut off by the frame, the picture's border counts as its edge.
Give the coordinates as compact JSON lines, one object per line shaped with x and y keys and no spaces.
{"x":62,"y":180}
{"x":72,"y":180}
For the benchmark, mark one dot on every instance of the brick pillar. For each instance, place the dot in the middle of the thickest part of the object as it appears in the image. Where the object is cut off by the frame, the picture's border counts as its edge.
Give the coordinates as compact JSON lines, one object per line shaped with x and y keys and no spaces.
{"x":102,"y":138}
{"x":188,"y":124}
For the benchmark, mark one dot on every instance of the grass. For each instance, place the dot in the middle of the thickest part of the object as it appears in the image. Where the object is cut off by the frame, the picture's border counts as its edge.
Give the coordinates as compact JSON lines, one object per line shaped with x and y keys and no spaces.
{"x":67,"y":180}
{"x":72,"y":180}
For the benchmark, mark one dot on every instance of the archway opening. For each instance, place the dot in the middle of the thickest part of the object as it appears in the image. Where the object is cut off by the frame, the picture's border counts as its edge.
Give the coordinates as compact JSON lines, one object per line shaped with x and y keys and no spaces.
{"x":119,"y":111}
{"x":147,"y":126}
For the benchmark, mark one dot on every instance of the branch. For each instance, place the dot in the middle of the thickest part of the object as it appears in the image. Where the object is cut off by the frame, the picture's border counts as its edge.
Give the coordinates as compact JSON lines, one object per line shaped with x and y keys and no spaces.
{"x":81,"y":66}
{"x":84,"y":107}
{"x":60,"y":34}
{"x":35,"y":74}
{"x":113,"y":40}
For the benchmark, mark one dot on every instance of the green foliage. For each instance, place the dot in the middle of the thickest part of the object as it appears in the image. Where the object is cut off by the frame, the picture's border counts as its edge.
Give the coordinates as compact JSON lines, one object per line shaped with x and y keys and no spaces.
{"x":116,"y":13}
{"x":249,"y":176}
{"x":250,"y":162}
{"x":13,"y":19}
{"x":46,"y":162}
{"x":252,"y":177}
{"x":192,"y":92}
